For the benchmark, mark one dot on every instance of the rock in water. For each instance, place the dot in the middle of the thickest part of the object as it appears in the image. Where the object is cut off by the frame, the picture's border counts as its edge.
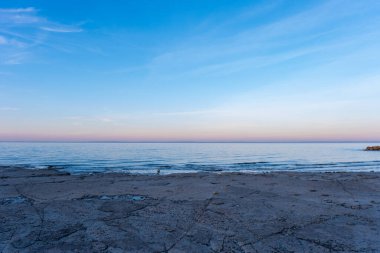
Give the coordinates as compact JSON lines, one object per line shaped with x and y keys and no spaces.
{"x":373,"y":148}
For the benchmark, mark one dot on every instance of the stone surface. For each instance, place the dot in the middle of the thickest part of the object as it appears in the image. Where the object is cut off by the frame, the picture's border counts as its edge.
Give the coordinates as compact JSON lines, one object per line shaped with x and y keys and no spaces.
{"x":373,"y":148}
{"x":49,"y":211}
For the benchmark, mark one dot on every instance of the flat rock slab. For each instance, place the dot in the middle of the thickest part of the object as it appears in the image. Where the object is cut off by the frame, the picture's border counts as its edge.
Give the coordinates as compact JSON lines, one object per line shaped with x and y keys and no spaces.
{"x":51,"y":211}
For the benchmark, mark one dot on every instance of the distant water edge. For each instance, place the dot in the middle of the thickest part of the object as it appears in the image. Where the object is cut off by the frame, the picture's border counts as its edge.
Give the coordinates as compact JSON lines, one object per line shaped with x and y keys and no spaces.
{"x":191,"y":157}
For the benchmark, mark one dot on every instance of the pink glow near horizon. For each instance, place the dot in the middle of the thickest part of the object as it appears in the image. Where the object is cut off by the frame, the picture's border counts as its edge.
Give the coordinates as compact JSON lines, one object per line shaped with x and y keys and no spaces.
{"x":194,"y":137}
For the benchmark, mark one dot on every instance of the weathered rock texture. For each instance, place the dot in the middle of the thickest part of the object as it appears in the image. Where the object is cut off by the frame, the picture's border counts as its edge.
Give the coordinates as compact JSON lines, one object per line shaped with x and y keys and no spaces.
{"x":47,"y":211}
{"x":373,"y":148}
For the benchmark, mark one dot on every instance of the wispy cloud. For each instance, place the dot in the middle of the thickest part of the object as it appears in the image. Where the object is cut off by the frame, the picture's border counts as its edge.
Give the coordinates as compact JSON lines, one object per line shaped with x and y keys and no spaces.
{"x":3,"y":40}
{"x":17,"y":10}
{"x":315,"y":31}
{"x":9,"y":109}
{"x":61,"y":29}
{"x":192,"y":113}
{"x":17,"y":58}
{"x":22,"y":29}
{"x":20,"y":16}
{"x":123,"y":119}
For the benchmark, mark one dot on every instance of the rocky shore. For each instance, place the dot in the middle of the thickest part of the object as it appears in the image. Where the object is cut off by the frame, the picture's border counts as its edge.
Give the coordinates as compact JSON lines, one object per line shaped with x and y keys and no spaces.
{"x":373,"y":148}
{"x":51,"y":211}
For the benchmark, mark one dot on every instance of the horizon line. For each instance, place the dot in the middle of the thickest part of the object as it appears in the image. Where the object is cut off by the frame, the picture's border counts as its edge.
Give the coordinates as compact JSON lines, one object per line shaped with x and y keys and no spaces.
{"x":189,"y":142}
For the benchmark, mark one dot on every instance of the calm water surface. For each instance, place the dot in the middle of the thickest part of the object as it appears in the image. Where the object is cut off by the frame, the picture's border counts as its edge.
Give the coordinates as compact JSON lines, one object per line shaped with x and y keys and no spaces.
{"x":191,"y":157}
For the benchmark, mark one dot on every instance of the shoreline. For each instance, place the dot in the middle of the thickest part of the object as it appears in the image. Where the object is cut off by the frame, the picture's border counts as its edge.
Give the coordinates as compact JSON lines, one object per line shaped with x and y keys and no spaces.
{"x":47,"y":209}
{"x":62,"y":169}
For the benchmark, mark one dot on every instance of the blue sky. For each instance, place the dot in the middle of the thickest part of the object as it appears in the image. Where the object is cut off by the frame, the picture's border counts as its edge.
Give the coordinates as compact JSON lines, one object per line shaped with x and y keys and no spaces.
{"x":190,"y":70}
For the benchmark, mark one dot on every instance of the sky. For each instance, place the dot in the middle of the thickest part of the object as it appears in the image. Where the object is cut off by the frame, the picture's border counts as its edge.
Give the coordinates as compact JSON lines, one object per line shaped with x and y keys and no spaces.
{"x":201,"y":70}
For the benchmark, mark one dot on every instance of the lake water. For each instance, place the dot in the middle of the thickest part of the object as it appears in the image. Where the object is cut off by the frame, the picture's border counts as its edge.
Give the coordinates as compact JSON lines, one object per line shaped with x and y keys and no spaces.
{"x":191,"y":157}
